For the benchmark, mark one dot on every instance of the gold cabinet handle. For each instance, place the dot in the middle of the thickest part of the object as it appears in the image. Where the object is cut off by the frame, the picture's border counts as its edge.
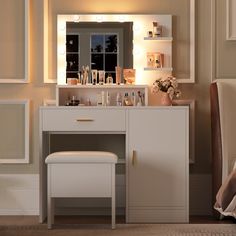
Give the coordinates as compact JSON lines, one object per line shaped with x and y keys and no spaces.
{"x":134,"y":158}
{"x":84,"y":120}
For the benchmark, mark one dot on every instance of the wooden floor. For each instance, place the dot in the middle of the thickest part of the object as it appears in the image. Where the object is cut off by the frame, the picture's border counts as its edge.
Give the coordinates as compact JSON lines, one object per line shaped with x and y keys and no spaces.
{"x":33,"y":220}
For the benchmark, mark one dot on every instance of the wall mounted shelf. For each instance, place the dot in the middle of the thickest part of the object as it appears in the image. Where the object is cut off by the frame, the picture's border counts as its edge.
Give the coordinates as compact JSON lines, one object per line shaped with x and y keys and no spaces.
{"x":90,"y":92}
{"x":160,"y":39}
{"x":159,"y":69}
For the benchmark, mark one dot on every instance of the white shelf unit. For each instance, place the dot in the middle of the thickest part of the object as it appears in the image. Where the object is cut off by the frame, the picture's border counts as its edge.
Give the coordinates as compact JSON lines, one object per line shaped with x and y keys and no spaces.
{"x":164,"y":69}
{"x":161,"y":44}
{"x":89,"y":91}
{"x":160,"y":39}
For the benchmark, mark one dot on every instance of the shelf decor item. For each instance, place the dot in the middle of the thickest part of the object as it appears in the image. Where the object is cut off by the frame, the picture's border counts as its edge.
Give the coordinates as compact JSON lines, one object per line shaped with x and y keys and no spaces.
{"x":169,"y":88}
{"x":155,"y":60}
{"x":129,"y":76}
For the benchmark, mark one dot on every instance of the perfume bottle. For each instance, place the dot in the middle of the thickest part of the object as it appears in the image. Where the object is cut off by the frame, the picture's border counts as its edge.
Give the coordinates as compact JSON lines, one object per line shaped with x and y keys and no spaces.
{"x":103,"y":98}
{"x":127,"y":100}
{"x":108,"y":100}
{"x":133,"y":98}
{"x":118,"y":99}
{"x":109,"y":79}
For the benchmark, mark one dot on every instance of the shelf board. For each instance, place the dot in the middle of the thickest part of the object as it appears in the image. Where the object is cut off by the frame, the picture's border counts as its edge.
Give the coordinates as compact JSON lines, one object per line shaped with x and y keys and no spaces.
{"x":161,"y":39}
{"x":105,"y":86}
{"x":158,"y":69}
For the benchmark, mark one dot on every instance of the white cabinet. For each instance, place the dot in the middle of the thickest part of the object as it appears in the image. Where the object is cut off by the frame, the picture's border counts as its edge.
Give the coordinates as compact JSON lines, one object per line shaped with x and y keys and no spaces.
{"x":157,"y":166}
{"x":155,"y":146}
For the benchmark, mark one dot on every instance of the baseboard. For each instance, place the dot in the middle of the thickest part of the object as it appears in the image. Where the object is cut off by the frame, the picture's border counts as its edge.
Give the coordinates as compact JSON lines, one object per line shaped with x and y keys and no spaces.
{"x":19,"y":194}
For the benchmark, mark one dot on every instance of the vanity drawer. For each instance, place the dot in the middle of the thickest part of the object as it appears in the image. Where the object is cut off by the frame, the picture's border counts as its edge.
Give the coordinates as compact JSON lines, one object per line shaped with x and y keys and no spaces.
{"x":83,"y":120}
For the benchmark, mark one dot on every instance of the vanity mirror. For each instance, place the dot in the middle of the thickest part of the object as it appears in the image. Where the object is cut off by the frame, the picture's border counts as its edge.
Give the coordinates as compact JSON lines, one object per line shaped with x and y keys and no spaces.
{"x":86,"y":39}
{"x":102,"y":46}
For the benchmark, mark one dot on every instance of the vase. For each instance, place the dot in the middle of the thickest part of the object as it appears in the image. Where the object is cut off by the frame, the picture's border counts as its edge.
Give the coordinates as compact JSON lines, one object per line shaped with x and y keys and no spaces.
{"x":166,"y":100}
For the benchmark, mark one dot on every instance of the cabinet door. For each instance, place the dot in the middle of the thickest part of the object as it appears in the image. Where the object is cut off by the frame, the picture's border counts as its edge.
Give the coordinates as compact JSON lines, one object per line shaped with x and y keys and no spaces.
{"x":158,"y":160}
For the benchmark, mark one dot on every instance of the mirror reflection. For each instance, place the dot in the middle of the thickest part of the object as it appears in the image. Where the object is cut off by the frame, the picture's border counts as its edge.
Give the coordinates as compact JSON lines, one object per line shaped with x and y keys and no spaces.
{"x":101,"y":46}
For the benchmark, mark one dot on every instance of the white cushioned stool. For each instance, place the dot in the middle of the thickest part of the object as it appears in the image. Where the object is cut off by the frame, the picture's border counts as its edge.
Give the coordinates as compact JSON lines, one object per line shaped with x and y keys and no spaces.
{"x":81,"y":174}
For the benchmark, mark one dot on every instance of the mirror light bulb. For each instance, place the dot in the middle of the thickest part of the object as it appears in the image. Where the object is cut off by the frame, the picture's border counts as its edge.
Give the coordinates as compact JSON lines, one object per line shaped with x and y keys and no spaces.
{"x":76,"y":18}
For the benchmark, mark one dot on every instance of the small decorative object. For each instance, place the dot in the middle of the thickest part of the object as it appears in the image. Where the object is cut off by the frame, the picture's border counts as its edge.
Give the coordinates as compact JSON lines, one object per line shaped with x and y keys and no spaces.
{"x":79,"y":77}
{"x":157,"y":29}
{"x":108,"y":99}
{"x":71,"y":81}
{"x":149,"y":34}
{"x":118,"y":75}
{"x":155,"y":24}
{"x":127,"y":101}
{"x":169,"y":89}
{"x":118,"y":99}
{"x":129,"y":76}
{"x":84,"y":77}
{"x":155,"y":60}
{"x":140,"y":99}
{"x":109,"y":79}
{"x":99,"y":99}
{"x":101,"y":77}
{"x":94,"y":76}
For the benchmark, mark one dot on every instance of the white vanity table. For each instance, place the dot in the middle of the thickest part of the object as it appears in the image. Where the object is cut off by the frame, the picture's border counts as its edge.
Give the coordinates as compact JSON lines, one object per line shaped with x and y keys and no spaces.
{"x":156,"y":154}
{"x":154,"y":140}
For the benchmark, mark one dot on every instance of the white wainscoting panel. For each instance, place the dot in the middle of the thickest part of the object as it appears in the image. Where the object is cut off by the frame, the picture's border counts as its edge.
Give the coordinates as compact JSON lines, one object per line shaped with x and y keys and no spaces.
{"x":19,"y":194}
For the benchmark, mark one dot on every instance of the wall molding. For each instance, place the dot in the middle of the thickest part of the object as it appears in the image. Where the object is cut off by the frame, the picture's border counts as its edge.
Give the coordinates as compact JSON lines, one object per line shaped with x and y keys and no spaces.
{"x":19,"y":194}
{"x":25,"y":79}
{"x":25,"y":159}
{"x":230,"y":23}
{"x":45,"y":44}
{"x":214,"y":40}
{"x":192,"y":13}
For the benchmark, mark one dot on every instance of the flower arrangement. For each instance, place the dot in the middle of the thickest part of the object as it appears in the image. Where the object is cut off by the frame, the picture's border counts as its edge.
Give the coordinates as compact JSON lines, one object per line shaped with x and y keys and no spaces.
{"x":168,"y":85}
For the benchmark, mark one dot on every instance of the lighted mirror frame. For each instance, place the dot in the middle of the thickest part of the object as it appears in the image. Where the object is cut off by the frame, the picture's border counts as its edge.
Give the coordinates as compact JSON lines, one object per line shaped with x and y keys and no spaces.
{"x":25,"y":79}
{"x":141,"y":25}
{"x":190,"y":79}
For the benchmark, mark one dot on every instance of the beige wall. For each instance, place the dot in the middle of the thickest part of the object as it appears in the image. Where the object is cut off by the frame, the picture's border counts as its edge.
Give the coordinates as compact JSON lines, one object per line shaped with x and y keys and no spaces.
{"x":36,"y":91}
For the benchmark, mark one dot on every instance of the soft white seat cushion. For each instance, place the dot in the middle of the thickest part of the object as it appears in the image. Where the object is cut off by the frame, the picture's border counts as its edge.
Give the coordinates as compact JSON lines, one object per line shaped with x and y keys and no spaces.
{"x":82,"y":157}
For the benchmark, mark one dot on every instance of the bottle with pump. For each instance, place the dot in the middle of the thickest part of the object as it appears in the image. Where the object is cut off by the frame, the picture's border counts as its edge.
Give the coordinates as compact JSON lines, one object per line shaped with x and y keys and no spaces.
{"x":108,"y":100}
{"x":118,"y":99}
{"x":133,"y":99}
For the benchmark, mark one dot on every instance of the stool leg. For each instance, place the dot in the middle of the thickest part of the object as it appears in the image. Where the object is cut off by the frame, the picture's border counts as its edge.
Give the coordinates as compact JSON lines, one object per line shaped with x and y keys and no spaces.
{"x":49,"y":212}
{"x":49,"y":200}
{"x":113,"y":199}
{"x":53,"y":210}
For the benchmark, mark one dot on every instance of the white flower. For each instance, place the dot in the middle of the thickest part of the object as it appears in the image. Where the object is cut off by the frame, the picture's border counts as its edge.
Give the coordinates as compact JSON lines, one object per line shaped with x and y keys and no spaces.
{"x":168,"y":85}
{"x":171,"y":92}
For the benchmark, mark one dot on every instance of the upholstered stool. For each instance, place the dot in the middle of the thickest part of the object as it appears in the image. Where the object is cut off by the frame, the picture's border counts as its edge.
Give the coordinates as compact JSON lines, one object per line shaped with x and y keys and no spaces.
{"x":81,"y":174}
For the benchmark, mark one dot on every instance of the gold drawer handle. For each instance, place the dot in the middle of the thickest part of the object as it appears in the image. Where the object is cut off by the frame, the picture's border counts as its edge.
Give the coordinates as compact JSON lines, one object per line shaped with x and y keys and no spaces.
{"x":134,"y":158}
{"x":84,"y":120}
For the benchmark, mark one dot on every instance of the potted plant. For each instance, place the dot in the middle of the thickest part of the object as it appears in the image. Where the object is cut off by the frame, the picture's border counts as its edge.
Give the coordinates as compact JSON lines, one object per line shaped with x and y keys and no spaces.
{"x":169,"y":88}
